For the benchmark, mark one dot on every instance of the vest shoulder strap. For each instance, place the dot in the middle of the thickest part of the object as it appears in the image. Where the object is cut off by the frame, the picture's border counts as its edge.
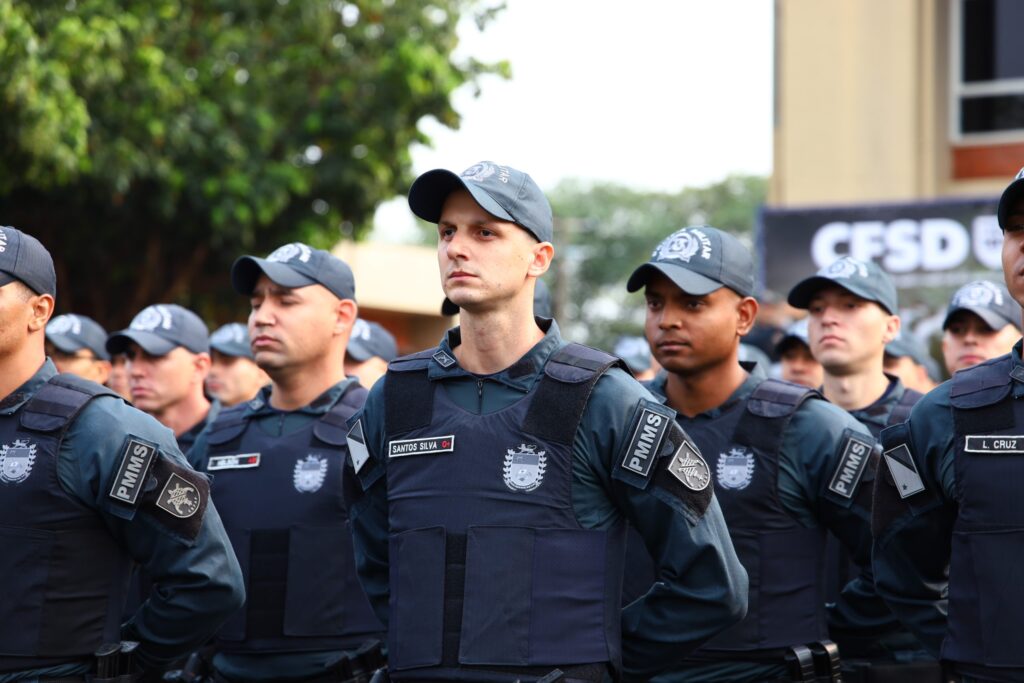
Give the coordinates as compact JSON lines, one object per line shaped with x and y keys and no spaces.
{"x":408,"y":394}
{"x":901,"y":411}
{"x":563,"y":391}
{"x":59,"y":401}
{"x":770,"y":407}
{"x":332,"y":428}
{"x":985,"y":385}
{"x":419,"y":360}
{"x":229,"y":424}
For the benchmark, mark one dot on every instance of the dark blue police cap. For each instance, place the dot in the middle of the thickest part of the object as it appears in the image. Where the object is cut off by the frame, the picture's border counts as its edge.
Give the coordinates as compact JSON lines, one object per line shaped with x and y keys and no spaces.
{"x":796,"y":333}
{"x":232,"y":340}
{"x":862,"y":278}
{"x":907,"y":345}
{"x":161,"y":328}
{"x":24,"y":258}
{"x":501,"y":191}
{"x":369,"y":339}
{"x":295,"y":265}
{"x":71,"y":333}
{"x":635,"y":351}
{"x":699,"y":260}
{"x":989,"y":301}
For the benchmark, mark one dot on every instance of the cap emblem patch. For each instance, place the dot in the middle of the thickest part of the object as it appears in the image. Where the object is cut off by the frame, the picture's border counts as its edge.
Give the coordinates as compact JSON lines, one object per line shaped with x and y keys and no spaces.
{"x":286,"y":253}
{"x":683,"y":245}
{"x":151,"y":318}
{"x":979,"y":294}
{"x":844,"y":268}
{"x":479,"y":172}
{"x":63,"y":324}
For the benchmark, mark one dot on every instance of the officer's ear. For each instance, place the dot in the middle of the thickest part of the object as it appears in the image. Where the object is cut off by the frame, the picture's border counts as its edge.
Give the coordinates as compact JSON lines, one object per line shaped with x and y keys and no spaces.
{"x":201,"y":362}
{"x":746,"y":314}
{"x":345,"y":312}
{"x":892,"y":328}
{"x":41,"y":306}
{"x":543,"y":252}
{"x":100,"y":371}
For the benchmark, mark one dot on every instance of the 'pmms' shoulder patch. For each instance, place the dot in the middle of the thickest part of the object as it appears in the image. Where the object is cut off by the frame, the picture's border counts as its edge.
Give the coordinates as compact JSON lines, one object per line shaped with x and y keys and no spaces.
{"x":852,"y":463}
{"x":903,"y":470}
{"x":646,"y":442}
{"x":131,"y":475}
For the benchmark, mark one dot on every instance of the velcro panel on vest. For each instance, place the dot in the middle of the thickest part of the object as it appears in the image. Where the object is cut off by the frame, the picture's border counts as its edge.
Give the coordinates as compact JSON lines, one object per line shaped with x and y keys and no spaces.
{"x":268,"y":583}
{"x":58,"y":401}
{"x":983,"y":386}
{"x":419,"y":585}
{"x":228,"y":426}
{"x":333,"y":428}
{"x":408,"y":395}
{"x":569,"y":378}
{"x":770,"y":407}
{"x":901,"y":411}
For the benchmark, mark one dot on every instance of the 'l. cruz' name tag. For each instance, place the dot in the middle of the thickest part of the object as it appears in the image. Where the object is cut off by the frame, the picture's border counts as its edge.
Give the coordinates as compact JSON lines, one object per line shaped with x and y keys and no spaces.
{"x":429,"y":445}
{"x":995,"y":445}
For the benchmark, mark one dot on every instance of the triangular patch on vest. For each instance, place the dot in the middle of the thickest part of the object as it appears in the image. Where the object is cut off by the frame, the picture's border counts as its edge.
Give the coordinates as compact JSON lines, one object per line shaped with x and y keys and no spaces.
{"x":904,"y":471}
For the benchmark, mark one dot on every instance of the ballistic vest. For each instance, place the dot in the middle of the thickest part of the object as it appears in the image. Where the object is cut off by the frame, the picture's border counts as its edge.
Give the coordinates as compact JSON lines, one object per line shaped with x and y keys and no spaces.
{"x":283,"y":507}
{"x":986,"y":595}
{"x":491,"y":575}
{"x":783,"y":559}
{"x":63,"y":576}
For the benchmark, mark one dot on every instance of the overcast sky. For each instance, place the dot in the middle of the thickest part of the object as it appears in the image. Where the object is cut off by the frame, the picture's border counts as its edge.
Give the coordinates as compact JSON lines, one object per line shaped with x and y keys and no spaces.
{"x":655,"y":94}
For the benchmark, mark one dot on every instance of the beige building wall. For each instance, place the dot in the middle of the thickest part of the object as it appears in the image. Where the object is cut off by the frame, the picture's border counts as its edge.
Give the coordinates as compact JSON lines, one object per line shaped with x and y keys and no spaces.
{"x":862,"y":101}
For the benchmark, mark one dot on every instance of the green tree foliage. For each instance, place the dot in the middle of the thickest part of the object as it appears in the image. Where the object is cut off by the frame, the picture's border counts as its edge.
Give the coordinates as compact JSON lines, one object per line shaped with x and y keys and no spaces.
{"x":604,"y":231}
{"x":150,"y":142}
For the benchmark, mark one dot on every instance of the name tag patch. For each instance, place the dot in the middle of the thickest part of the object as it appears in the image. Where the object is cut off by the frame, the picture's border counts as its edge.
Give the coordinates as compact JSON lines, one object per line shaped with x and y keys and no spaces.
{"x":903,"y":470}
{"x":428,"y":445}
{"x":645,"y":442}
{"x":242,"y":461}
{"x":131,"y":475}
{"x":852,"y":463}
{"x":994,"y":445}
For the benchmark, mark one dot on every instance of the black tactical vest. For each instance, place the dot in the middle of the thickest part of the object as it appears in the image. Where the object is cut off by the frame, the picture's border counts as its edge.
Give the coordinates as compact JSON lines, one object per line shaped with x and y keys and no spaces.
{"x":491,"y":575}
{"x":783,"y":559}
{"x":282,"y":504}
{"x":63,"y":575}
{"x":986,"y":591}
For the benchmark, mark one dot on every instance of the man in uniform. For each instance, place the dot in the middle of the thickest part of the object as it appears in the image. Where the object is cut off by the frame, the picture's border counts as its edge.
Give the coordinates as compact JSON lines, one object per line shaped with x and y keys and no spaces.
{"x":948,"y":523}
{"x":77,"y":344}
{"x":908,"y":358}
{"x":278,"y":460}
{"x":234,"y":376}
{"x":982,"y":322}
{"x":88,"y":484}
{"x":787,"y":464}
{"x":168,"y":351}
{"x":499,"y":471}
{"x":370,"y":349}
{"x":796,"y":363}
{"x":852,"y":315}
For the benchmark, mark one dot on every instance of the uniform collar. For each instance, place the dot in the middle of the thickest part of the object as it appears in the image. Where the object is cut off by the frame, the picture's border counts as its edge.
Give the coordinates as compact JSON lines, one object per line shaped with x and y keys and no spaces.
{"x":17,"y":398}
{"x":521,"y":375}
{"x":755,"y":375}
{"x":260,"y":404}
{"x":879,"y":411}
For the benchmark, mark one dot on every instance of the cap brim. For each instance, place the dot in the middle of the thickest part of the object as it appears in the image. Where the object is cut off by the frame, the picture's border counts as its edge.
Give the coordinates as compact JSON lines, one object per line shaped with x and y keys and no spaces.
{"x":429,"y":192}
{"x":6,"y":278}
{"x":233,"y":350}
{"x":247,"y":270}
{"x":995,"y":321}
{"x":686,"y":280}
{"x":1011,"y":195}
{"x":153,"y":344}
{"x":358,"y":352}
{"x":788,"y":341}
{"x":64,"y":343}
{"x":448,"y":307}
{"x":800,"y":296}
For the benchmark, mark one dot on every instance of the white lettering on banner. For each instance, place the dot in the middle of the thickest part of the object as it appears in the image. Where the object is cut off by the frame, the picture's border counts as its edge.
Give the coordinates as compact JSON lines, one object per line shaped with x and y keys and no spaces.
{"x":905,"y":245}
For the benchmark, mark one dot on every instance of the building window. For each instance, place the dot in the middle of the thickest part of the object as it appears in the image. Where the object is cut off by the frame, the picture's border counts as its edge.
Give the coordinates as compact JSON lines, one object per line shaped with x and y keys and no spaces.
{"x":987,"y":71}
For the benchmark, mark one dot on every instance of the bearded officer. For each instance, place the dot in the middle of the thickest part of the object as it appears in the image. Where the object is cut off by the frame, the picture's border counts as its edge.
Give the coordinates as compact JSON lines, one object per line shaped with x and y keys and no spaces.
{"x":948,"y":523}
{"x":500,"y":469}
{"x":277,"y":461}
{"x":788,"y":464}
{"x":87,"y":484}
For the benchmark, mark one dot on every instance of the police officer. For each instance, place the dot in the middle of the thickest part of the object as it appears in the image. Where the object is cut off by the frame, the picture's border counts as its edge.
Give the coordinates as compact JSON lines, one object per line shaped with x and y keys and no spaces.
{"x":908,"y":358}
{"x":168,"y":351}
{"x":796,"y":363}
{"x":500,"y":469}
{"x":948,"y":521}
{"x":542,"y":307}
{"x":87,"y":484}
{"x":278,"y":461}
{"x":77,"y":344}
{"x":852,"y":315}
{"x":982,"y":322}
{"x":370,"y":349}
{"x":234,"y":376}
{"x":786,"y":463}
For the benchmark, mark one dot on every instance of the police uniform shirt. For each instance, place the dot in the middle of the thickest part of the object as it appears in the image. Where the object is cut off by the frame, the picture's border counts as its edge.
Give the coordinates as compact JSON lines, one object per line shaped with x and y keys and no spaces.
{"x":702,"y":587}
{"x":817,"y":485}
{"x":876,"y":416}
{"x":276,"y":423}
{"x":931,"y":483}
{"x":184,"y":548}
